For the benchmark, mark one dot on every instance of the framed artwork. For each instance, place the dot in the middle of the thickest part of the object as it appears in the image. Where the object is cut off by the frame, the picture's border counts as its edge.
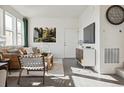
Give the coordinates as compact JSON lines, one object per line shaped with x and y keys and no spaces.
{"x":44,"y":34}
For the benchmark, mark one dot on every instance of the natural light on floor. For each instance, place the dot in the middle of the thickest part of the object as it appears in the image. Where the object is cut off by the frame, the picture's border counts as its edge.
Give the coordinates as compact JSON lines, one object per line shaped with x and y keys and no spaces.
{"x":36,"y":83}
{"x":64,"y":77}
{"x":81,"y":77}
{"x":91,"y":73}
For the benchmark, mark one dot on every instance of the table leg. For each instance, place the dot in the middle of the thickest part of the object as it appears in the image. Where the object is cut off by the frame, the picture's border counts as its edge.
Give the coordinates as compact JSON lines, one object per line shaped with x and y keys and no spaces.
{"x":6,"y":74}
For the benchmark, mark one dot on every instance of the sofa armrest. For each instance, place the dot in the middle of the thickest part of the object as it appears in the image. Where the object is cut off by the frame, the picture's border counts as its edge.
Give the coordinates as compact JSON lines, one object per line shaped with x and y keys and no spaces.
{"x":49,"y":60}
{"x":14,"y":62}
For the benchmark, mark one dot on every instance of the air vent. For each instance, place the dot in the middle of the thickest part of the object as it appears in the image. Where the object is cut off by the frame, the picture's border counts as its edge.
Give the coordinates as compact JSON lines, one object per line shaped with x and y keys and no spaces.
{"x":111,"y":55}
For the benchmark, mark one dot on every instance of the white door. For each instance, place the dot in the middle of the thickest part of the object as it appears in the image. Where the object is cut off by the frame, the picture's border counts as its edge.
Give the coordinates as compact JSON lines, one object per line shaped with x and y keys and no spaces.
{"x":70,"y":43}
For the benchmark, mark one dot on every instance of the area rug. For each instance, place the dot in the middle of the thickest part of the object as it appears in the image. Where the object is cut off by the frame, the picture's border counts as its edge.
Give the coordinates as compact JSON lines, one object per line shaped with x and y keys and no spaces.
{"x":57,"y":70}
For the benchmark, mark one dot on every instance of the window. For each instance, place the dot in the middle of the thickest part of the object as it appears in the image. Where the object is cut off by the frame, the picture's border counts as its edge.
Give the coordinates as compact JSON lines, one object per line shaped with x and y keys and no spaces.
{"x":13,"y":30}
{"x":9,"y":38}
{"x":19,"y":33}
{"x":1,"y":21}
{"x":9,"y":29}
{"x":8,"y":22}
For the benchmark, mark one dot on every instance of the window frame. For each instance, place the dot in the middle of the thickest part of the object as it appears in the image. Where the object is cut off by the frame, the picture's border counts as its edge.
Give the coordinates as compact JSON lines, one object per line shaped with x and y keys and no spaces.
{"x":8,"y":14}
{"x":12,"y":37}
{"x":20,"y":33}
{"x":14,"y":29}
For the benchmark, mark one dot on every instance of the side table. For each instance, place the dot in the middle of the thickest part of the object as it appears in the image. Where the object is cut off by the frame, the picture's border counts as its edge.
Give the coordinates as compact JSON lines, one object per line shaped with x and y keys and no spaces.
{"x":4,"y":65}
{"x":6,"y":60}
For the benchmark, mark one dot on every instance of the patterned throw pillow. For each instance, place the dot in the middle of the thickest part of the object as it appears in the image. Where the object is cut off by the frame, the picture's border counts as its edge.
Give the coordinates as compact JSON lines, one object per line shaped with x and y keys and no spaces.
{"x":24,"y":51}
{"x":29,"y":50}
{"x":39,"y":51}
{"x":20,"y":51}
{"x":36,"y":50}
{"x":1,"y":55}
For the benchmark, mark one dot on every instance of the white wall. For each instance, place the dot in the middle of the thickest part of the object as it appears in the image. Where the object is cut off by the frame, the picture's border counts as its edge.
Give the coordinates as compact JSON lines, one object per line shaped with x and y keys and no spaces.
{"x":110,"y":38}
{"x":61,"y":24}
{"x":90,"y":15}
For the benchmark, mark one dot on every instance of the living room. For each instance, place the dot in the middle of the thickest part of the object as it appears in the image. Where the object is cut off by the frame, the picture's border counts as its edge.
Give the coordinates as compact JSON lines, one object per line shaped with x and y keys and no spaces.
{"x":67,"y":23}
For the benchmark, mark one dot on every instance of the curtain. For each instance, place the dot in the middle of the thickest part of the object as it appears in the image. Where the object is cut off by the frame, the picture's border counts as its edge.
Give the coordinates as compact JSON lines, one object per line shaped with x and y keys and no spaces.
{"x":25,"y":21}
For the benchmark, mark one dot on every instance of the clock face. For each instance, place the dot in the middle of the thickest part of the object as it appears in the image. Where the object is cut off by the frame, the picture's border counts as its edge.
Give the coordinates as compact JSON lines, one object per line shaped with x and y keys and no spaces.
{"x":115,"y":14}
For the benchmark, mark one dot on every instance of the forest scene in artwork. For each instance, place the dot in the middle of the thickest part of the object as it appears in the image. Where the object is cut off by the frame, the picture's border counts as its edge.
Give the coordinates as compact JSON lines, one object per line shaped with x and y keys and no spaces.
{"x":44,"y":34}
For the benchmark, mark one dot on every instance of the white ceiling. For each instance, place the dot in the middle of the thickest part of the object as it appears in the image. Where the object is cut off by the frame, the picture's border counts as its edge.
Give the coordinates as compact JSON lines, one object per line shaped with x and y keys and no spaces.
{"x":50,"y":10}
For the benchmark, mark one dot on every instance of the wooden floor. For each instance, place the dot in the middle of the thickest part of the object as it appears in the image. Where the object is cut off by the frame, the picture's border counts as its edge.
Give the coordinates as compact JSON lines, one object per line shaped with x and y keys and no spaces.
{"x":75,"y":76}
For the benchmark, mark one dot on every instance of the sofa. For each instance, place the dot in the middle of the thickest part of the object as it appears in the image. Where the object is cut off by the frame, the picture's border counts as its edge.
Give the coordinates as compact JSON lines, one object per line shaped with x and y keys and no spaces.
{"x":13,"y":53}
{"x":14,"y":63}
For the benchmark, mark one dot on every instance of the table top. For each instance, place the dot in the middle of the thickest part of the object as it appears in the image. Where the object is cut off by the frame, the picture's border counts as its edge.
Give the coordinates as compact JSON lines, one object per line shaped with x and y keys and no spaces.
{"x":2,"y":64}
{"x":5,"y":59}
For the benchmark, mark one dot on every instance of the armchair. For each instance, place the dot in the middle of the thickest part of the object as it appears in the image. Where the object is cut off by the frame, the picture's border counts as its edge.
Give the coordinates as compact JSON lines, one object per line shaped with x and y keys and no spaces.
{"x":32,"y":63}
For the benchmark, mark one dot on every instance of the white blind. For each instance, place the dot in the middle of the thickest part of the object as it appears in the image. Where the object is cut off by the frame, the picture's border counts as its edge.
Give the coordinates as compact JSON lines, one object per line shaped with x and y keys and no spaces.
{"x":1,"y":21}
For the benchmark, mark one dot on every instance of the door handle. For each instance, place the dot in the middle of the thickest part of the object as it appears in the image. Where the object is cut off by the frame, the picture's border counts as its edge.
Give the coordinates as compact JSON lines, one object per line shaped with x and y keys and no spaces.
{"x":64,"y":43}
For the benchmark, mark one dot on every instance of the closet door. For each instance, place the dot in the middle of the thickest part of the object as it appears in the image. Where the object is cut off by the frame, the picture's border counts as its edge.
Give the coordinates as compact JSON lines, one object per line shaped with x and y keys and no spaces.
{"x":70,"y":43}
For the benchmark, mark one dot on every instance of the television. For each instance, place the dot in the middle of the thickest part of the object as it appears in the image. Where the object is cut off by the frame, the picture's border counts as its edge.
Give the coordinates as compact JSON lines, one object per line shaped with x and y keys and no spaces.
{"x":89,"y":34}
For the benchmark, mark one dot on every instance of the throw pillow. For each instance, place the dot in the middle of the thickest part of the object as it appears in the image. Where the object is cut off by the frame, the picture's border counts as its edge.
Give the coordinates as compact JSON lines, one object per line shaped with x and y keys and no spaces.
{"x":39,"y":51}
{"x":34,"y":49}
{"x":1,"y":55}
{"x":24,"y":51}
{"x":13,"y":51}
{"x":20,"y":51}
{"x":29,"y":50}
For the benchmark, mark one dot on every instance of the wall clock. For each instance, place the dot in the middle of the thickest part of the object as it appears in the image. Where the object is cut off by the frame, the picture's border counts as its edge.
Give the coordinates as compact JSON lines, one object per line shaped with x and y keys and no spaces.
{"x":115,"y":14}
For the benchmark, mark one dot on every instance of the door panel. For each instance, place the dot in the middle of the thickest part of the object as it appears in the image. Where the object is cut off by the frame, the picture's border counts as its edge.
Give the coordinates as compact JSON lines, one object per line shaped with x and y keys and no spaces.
{"x":70,"y":43}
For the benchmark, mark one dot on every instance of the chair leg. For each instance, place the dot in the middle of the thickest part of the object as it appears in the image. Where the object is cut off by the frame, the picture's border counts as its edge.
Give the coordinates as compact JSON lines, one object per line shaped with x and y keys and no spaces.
{"x":6,"y":75}
{"x":9,"y":67}
{"x":27,"y":71}
{"x":43,"y":76}
{"x":47,"y":69}
{"x":19,"y":76}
